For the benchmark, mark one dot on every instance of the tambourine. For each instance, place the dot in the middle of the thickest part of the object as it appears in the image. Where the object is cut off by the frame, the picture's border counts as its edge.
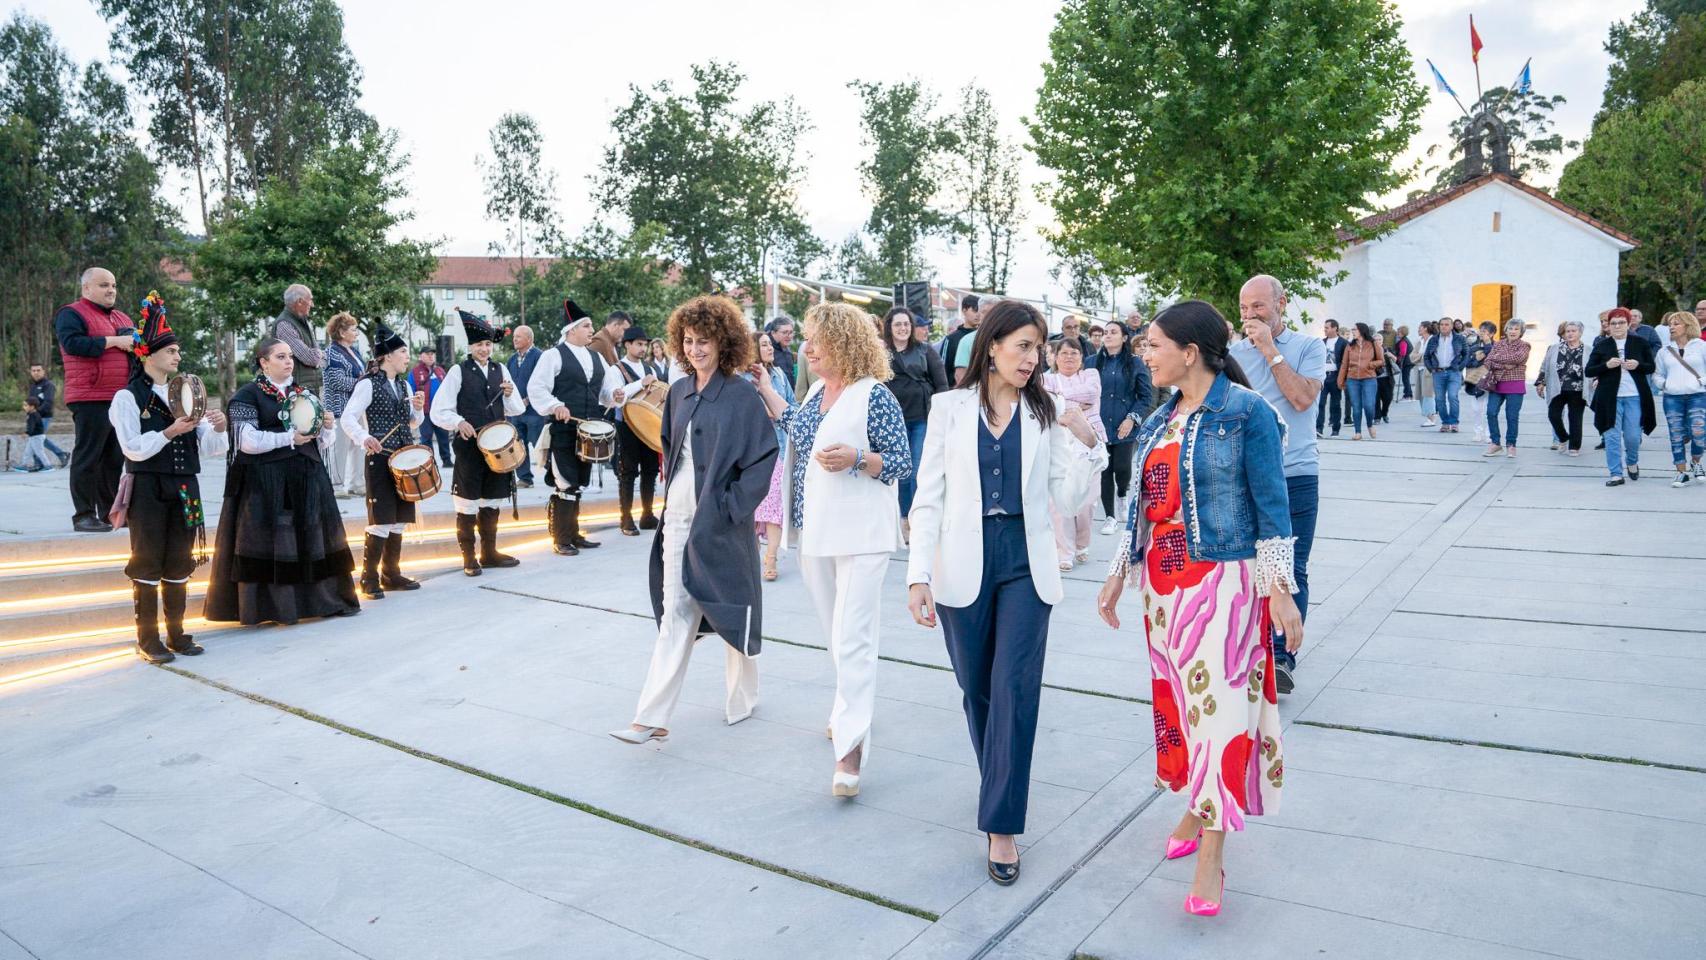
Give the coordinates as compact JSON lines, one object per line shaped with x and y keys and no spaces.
{"x":304,"y":414}
{"x":187,"y":396}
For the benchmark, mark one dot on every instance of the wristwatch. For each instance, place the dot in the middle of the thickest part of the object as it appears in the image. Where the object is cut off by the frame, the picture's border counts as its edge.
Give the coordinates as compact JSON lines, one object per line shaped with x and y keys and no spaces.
{"x":858,"y":463}
{"x":1276,"y":360}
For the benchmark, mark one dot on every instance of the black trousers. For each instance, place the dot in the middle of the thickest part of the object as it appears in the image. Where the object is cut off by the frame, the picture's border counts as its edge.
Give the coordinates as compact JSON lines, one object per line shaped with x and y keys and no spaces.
{"x":1117,"y":478}
{"x":1331,"y":395}
{"x":635,"y":460}
{"x":162,"y":541}
{"x":96,"y":461}
{"x":1382,"y":397}
{"x":1571,"y":400}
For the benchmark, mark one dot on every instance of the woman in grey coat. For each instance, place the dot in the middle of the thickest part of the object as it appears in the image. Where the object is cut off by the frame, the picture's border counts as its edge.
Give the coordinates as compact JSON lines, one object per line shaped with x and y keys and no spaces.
{"x":720,"y":449}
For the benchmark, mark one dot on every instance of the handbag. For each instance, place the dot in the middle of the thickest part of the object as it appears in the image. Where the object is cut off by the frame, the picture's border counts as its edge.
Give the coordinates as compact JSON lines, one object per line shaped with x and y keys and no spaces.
{"x":1474,"y":375}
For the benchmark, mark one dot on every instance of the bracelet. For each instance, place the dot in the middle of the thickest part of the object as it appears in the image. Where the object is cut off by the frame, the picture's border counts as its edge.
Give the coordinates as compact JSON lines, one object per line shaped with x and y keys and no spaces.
{"x":858,"y":463}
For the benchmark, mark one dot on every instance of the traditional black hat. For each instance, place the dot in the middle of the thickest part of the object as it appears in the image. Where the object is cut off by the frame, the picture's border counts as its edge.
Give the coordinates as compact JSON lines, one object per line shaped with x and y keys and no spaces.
{"x":386,"y":341}
{"x":476,"y":327}
{"x":634,"y":333}
{"x":152,"y":331}
{"x":572,"y":311}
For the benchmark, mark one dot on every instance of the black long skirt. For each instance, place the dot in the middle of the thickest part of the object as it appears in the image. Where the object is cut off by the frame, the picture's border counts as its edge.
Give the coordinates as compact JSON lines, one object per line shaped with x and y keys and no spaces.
{"x":280,"y":554}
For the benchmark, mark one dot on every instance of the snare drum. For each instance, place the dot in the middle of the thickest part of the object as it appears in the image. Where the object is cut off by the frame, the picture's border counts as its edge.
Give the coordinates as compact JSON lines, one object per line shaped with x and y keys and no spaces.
{"x":187,"y":396}
{"x":305,"y":414}
{"x":415,"y":473}
{"x":595,"y":441}
{"x":501,"y":445}
{"x":643,"y":413}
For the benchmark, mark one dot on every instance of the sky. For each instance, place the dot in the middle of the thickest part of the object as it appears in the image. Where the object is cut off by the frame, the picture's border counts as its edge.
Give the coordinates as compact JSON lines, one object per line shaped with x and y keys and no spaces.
{"x":441,"y":72}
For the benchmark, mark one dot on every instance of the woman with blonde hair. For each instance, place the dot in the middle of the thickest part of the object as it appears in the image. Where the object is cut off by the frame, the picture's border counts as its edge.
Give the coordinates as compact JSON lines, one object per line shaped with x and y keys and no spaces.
{"x":847,"y":449}
{"x":1681,"y":377}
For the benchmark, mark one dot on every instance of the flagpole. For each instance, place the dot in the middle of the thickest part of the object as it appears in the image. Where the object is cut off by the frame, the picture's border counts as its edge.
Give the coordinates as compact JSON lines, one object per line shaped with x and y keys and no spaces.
{"x":1441,"y":84}
{"x":1512,"y":88}
{"x":1477,"y":58}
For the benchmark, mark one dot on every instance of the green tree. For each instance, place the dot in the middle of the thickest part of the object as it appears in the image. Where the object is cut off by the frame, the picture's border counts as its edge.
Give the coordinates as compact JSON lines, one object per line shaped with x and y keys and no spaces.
{"x":602,"y":270}
{"x":722,"y":182}
{"x":902,"y":176}
{"x":1196,"y":142}
{"x":1644,"y":172}
{"x":333,"y":229}
{"x":75,"y":191}
{"x":1534,"y":143}
{"x":984,"y":173}
{"x":521,"y":193}
{"x":1653,"y":53}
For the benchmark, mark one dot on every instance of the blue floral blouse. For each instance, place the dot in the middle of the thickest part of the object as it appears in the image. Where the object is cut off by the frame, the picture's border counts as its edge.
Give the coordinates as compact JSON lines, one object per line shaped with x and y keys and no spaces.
{"x":885,"y":431}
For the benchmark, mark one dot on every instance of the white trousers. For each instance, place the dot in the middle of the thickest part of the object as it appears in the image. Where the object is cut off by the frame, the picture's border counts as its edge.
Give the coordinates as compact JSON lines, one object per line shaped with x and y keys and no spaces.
{"x":680,"y":623}
{"x":1072,"y":532}
{"x":848,"y":593}
{"x":347,"y":465}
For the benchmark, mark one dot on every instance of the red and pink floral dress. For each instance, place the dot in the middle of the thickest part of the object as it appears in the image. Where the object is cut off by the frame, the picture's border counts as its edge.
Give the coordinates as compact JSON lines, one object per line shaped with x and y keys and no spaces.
{"x":1217,"y":723}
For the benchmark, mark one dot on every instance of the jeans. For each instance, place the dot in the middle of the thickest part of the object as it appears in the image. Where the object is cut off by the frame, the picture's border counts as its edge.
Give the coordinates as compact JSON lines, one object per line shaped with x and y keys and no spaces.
{"x":528,"y":427}
{"x":46,"y":423}
{"x":1305,"y":496}
{"x":35,"y":454}
{"x":1685,"y":415}
{"x":431,"y":431}
{"x":1512,"y":402}
{"x":1446,"y":385}
{"x":915,"y":441}
{"x":1360,"y":393}
{"x":1332,"y":396}
{"x":1572,"y":401}
{"x":1623,"y":440}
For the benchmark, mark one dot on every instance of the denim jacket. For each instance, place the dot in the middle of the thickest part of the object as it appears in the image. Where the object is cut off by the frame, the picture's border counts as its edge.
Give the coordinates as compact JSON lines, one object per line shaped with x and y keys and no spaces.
{"x":1459,"y":348}
{"x":1233,"y":483}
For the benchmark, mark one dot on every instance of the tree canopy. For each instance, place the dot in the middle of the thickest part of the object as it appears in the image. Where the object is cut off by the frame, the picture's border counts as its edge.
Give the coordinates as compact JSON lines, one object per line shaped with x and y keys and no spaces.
{"x":1534,"y":144}
{"x":1196,"y":142}
{"x":1653,"y":53}
{"x":902,"y":176}
{"x":602,"y":270}
{"x":521,"y":193}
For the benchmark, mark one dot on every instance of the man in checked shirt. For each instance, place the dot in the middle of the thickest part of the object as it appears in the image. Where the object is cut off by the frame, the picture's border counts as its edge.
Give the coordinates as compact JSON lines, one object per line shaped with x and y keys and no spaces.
{"x":293,"y":328}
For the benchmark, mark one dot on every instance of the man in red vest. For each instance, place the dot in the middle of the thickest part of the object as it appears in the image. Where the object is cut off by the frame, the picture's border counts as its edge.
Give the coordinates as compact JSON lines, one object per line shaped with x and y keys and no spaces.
{"x":95,"y":343}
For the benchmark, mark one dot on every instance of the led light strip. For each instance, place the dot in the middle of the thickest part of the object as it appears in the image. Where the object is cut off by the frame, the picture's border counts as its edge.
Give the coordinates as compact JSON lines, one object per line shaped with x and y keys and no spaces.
{"x":64,"y":667}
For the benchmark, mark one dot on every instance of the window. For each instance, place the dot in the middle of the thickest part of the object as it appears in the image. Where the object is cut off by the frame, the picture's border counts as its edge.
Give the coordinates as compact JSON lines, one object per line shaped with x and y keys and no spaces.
{"x":449,"y":294}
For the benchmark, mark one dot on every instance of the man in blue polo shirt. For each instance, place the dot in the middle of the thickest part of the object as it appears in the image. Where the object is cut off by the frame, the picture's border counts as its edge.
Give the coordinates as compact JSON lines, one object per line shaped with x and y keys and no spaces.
{"x":1287,"y":369}
{"x":529,"y":424}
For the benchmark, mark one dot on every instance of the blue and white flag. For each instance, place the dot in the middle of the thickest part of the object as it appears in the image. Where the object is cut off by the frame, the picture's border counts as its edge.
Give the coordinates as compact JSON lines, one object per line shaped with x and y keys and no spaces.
{"x":1524,"y":82}
{"x":1439,"y":80}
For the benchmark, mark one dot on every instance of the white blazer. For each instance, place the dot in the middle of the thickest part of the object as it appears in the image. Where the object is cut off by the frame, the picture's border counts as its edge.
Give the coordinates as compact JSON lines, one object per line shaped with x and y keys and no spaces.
{"x":946,"y":518}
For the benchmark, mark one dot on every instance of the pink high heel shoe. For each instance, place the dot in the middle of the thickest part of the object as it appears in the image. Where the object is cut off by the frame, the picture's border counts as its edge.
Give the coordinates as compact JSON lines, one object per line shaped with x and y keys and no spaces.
{"x":1183,"y":848}
{"x":1198,"y":907}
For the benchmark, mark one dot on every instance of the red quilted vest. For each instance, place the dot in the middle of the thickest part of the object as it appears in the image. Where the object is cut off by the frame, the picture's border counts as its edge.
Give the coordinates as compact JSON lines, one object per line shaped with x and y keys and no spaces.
{"x":97,"y":378}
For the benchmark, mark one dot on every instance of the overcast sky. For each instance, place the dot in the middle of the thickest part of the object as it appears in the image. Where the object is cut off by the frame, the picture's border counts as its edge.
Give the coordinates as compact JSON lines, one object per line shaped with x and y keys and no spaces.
{"x":442,"y":71}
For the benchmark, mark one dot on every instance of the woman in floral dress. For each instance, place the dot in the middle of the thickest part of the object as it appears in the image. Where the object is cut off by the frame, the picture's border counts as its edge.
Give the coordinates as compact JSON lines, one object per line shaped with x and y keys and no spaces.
{"x":1209,"y":545}
{"x":768,"y":518}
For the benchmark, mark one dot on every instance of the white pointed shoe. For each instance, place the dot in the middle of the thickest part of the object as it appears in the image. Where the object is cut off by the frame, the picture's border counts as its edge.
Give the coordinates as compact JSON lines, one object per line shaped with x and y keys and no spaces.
{"x":630,"y":735}
{"x":844,"y":784}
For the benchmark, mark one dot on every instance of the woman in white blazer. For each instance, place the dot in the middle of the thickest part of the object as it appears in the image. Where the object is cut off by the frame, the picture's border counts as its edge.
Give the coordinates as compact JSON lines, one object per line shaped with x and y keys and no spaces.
{"x":847,"y":448}
{"x":997,"y":452}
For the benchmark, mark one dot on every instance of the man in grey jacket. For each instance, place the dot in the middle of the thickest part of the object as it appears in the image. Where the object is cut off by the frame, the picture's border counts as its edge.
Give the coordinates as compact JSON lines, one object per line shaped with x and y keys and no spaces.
{"x":293,"y":328}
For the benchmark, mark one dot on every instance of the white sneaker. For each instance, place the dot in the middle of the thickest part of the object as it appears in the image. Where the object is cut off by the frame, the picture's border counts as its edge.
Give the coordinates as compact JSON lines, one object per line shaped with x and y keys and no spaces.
{"x":1109,"y":526}
{"x":1682,"y":480}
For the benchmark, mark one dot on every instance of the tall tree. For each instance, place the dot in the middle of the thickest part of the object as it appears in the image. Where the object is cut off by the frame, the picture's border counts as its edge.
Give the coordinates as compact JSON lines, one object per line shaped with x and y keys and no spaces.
{"x":985,"y":176}
{"x":1644,"y":172}
{"x":603,"y":270}
{"x":333,"y":229}
{"x":1534,"y":143}
{"x":902,"y":175}
{"x":1653,"y":53}
{"x":721,"y":181}
{"x":1195,"y":142}
{"x":75,"y":190}
{"x":521,"y":193}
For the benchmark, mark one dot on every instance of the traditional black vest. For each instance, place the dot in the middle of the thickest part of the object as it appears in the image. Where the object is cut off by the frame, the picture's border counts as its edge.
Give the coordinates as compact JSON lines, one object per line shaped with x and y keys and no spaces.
{"x":387,"y":416}
{"x":267,"y":412}
{"x":481,"y":399}
{"x":573,"y":389}
{"x":181,"y":455}
{"x":629,"y":376}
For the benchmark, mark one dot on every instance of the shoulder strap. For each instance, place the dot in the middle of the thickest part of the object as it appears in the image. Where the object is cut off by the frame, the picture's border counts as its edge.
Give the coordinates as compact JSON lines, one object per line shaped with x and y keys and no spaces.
{"x":1685,"y":364}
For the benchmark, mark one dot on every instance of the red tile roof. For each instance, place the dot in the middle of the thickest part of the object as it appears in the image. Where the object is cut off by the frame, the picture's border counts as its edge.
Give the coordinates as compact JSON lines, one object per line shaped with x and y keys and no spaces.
{"x":1405,"y":212}
{"x":482,"y":271}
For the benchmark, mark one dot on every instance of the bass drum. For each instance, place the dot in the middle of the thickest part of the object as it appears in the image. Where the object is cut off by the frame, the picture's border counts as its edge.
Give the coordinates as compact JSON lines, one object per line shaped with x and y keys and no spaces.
{"x":643,"y":413}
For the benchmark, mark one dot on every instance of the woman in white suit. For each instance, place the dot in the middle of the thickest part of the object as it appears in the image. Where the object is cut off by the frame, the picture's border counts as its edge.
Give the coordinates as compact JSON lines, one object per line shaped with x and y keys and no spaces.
{"x":997,"y":452}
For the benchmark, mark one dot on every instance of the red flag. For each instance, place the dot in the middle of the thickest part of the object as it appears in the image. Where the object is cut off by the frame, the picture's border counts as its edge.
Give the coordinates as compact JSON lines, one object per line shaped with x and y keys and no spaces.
{"x":1474,"y":41}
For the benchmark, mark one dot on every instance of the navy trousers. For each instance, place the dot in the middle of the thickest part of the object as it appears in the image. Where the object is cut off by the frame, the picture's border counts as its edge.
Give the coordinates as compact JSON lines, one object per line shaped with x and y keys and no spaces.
{"x":997,"y":647}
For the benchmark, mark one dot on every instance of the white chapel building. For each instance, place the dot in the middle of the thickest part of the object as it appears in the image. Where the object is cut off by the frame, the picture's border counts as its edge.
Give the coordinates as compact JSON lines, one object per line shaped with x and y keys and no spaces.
{"x":1491,"y":248}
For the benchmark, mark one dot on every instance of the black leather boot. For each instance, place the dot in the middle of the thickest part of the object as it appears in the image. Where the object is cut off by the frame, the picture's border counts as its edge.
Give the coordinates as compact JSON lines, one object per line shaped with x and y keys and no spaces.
{"x":174,"y":597}
{"x":647,"y":487}
{"x":625,"y":496}
{"x":148,"y":647}
{"x":391,"y":566}
{"x":574,"y":526}
{"x":556,"y":520}
{"x":489,"y":555}
{"x":371,"y":551}
{"x":465,"y":540}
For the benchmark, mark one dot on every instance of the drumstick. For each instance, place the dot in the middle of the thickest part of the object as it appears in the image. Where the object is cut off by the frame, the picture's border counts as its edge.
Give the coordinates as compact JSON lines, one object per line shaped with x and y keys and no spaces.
{"x":388,"y":434}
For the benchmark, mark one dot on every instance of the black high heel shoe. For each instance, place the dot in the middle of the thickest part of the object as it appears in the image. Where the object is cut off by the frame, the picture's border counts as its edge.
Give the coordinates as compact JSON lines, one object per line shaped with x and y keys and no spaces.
{"x":1002,"y":873}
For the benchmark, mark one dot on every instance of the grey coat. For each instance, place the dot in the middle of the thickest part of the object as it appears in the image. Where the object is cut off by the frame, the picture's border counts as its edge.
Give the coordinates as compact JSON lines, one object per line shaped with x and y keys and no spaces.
{"x":734,"y":453}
